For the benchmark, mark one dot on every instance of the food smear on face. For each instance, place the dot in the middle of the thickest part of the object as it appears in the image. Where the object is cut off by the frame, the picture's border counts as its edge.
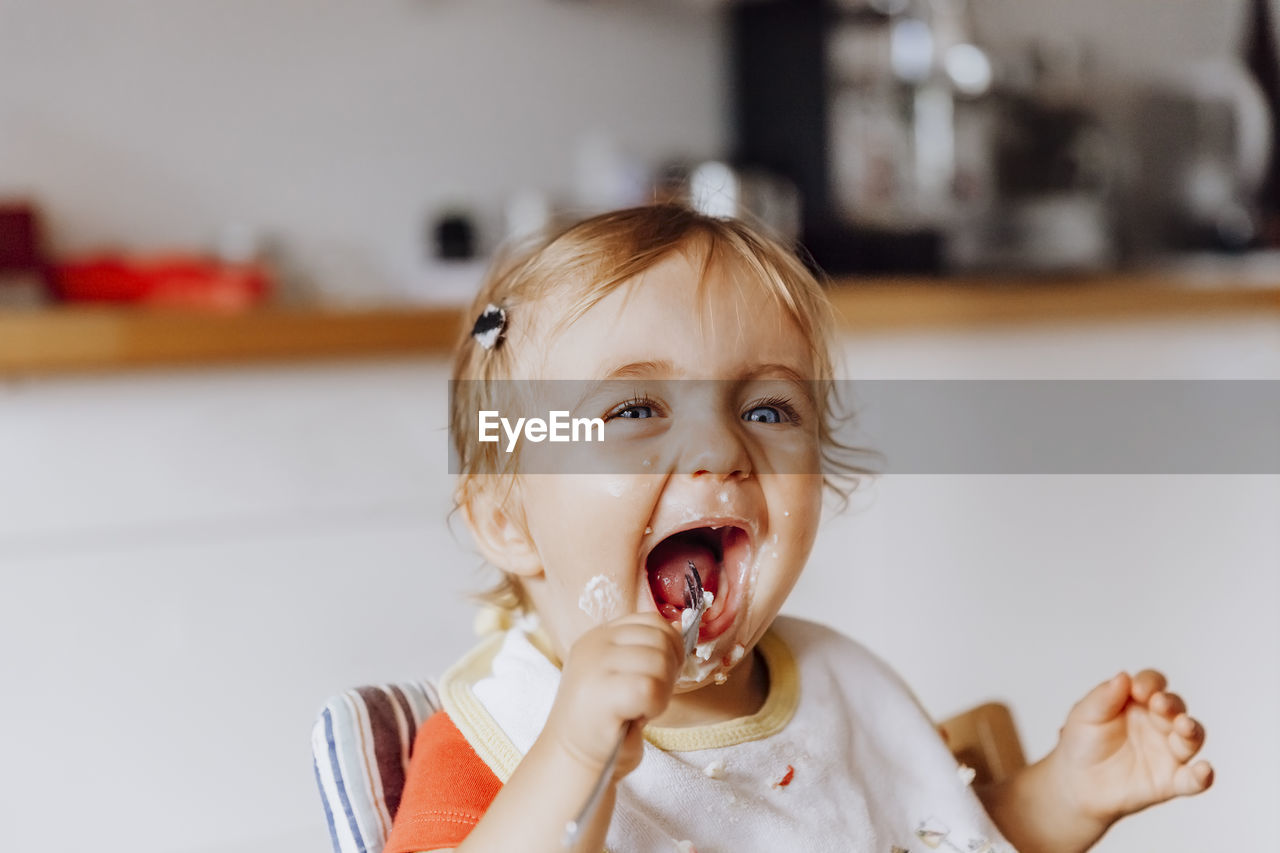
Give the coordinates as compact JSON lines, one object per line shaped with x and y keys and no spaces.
{"x":696,"y":670}
{"x":601,"y":599}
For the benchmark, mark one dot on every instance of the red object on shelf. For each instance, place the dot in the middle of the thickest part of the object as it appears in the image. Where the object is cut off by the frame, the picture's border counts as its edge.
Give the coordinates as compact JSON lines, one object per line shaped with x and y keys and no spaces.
{"x":179,"y":281}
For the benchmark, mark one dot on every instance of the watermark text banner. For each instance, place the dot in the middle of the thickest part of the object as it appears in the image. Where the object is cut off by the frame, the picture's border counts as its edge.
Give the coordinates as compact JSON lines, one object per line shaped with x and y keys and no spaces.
{"x":651,"y":426}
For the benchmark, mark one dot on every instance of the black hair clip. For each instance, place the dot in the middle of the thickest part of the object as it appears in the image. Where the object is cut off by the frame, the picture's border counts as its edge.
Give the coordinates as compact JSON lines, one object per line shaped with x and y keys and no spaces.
{"x":490,"y":326}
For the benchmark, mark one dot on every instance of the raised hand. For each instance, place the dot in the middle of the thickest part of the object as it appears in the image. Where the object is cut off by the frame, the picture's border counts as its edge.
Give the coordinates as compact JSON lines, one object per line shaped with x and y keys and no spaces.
{"x":1129,"y":744}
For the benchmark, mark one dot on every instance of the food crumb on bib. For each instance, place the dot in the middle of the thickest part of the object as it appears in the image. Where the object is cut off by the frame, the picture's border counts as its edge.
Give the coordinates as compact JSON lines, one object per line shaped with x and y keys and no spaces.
{"x":786,"y":778}
{"x":714,"y":770}
{"x":685,"y":847}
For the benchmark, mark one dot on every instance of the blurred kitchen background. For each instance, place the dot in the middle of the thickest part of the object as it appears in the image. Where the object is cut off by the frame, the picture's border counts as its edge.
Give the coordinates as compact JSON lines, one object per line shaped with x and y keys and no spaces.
{"x":234,"y":238}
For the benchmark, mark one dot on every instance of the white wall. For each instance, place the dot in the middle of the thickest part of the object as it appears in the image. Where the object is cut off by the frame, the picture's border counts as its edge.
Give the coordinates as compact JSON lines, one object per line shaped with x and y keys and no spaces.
{"x":1032,"y":589}
{"x":337,"y":127}
{"x":192,"y":560}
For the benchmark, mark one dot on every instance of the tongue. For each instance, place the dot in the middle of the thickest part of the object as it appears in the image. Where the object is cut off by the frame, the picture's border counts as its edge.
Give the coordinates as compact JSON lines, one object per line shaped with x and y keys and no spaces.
{"x":669,"y":563}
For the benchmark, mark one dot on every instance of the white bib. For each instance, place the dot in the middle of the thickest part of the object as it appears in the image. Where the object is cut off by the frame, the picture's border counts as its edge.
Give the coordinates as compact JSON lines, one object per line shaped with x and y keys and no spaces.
{"x":840,"y":758}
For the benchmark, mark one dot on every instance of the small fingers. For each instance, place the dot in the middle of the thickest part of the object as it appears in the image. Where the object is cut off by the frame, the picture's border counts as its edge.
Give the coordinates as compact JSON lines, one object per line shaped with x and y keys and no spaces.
{"x":1191,"y":779}
{"x":1167,"y":705}
{"x":1103,"y":702}
{"x":652,"y":634}
{"x":640,"y":697}
{"x":1186,"y":738}
{"x":648,"y":619}
{"x":643,"y":660}
{"x":649,"y":634}
{"x":1147,"y":683}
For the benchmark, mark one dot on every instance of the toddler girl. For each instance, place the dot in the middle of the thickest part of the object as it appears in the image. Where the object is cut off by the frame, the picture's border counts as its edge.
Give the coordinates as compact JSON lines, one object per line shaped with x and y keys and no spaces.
{"x":702,"y":350}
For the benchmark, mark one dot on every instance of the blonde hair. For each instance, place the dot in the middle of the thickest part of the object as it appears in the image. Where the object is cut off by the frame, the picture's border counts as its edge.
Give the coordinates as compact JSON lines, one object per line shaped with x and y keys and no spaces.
{"x":585,"y":263}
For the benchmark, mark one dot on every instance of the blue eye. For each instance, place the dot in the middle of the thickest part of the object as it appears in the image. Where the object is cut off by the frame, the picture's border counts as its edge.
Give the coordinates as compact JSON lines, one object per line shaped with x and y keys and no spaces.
{"x":763,"y":415}
{"x":636,"y":409}
{"x":773,"y":411}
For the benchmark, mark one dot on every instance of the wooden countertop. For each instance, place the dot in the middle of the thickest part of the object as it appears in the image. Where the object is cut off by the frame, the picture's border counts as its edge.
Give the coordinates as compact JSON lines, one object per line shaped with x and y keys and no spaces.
{"x":869,"y":304}
{"x":86,"y":339}
{"x":94,"y":339}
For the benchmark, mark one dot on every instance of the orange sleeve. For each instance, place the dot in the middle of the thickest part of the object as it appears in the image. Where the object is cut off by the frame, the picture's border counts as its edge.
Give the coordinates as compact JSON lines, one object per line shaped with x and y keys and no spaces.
{"x":447,"y":790}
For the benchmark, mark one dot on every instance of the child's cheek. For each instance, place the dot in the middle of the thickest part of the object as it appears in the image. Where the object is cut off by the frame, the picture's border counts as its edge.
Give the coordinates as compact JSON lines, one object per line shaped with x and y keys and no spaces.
{"x":801,"y":511}
{"x":626,"y":490}
{"x":617,"y":486}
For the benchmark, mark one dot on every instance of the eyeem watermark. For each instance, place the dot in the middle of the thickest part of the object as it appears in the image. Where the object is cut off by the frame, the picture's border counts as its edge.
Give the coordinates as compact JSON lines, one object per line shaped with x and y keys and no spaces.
{"x":558,"y":427}
{"x":924,"y":426}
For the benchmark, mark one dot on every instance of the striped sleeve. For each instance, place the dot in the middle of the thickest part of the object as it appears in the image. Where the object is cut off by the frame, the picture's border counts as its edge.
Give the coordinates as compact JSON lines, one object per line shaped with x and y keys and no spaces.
{"x":361,"y":747}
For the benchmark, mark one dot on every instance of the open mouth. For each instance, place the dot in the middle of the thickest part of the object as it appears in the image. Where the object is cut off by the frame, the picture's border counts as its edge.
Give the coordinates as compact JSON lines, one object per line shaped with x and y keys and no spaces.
{"x":720,"y":554}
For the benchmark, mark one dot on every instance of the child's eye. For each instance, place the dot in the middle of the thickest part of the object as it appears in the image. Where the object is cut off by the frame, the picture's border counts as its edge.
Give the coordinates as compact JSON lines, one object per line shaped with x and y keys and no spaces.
{"x":635,"y":409}
{"x":773,"y":411}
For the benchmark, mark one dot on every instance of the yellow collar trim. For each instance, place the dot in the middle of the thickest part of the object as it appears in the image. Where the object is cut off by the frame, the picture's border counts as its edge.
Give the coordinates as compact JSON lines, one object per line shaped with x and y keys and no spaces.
{"x":778,"y":709}
{"x":500,"y":755}
{"x":481,"y":731}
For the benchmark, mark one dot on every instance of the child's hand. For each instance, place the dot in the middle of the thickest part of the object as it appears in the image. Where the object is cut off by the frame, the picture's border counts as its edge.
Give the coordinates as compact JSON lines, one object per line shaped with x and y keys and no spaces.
{"x":618,"y":672}
{"x":1127,"y":745}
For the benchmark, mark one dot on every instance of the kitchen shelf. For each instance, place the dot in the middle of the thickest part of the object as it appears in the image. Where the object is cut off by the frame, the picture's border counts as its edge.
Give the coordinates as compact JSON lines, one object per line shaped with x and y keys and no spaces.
{"x":88,"y":339}
{"x":80,"y":339}
{"x":873,"y":304}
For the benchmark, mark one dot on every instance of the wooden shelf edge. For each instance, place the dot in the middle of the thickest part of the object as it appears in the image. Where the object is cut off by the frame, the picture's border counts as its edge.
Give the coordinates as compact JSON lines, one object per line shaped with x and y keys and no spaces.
{"x":875,"y":304}
{"x":68,"y":340}
{"x":93,"y":339}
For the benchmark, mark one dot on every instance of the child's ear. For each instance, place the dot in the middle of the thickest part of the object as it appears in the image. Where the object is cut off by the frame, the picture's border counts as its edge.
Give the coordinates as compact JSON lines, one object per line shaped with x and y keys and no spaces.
{"x":502,"y":538}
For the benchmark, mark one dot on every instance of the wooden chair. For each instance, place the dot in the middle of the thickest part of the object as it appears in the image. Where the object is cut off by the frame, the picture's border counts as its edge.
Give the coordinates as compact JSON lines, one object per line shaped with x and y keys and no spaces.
{"x":985,"y":739}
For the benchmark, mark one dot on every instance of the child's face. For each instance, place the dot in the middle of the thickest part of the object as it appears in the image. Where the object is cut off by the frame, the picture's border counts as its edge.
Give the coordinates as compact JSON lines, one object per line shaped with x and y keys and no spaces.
{"x":735,"y":485}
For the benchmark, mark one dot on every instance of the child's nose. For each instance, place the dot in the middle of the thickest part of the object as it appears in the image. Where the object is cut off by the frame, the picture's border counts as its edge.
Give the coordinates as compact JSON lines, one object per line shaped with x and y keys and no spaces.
{"x":715,"y":448}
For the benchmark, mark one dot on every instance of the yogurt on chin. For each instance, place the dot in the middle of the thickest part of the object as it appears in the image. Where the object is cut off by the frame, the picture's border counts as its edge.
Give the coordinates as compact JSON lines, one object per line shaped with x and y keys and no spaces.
{"x":696,"y":670}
